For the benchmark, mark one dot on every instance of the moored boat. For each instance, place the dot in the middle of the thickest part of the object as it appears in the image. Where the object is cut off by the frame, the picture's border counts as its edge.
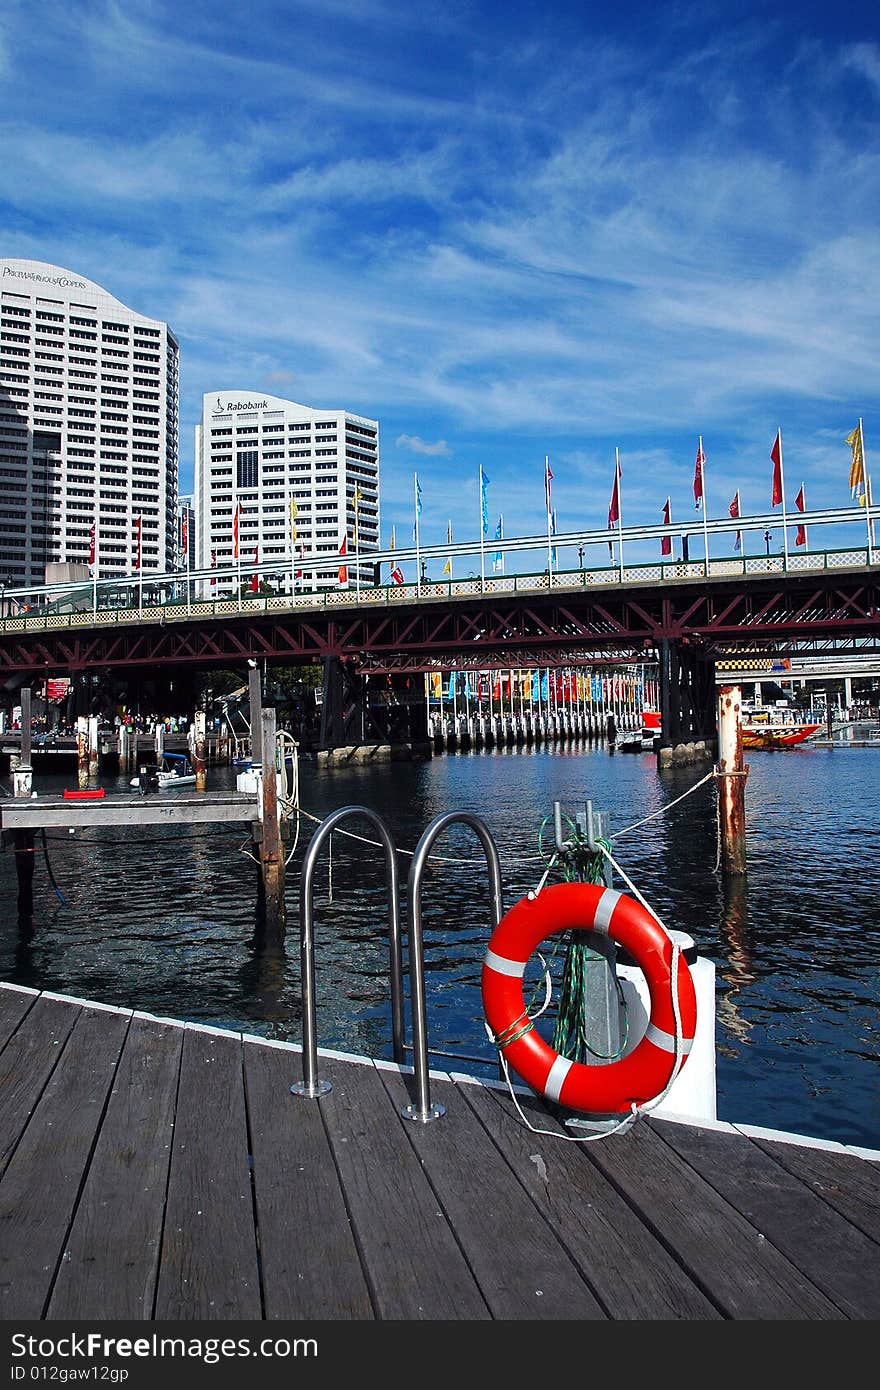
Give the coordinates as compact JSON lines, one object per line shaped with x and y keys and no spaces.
{"x":775,"y":727}
{"x":173,"y":772}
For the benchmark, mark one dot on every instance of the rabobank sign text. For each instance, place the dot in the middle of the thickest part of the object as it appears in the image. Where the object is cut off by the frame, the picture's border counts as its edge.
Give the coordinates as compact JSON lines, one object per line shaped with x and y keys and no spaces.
{"x":221,"y":409}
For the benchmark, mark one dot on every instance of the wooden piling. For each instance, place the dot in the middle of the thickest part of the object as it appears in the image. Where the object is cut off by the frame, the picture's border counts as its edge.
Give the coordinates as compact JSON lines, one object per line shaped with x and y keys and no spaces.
{"x":82,"y":751}
{"x":731,"y":778}
{"x":23,"y":840}
{"x":200,"y":757}
{"x":271,"y":845}
{"x":93,"y":745}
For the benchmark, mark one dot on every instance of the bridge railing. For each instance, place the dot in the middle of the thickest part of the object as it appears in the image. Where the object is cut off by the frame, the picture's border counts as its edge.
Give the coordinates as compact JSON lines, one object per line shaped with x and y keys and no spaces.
{"x":39,"y":618}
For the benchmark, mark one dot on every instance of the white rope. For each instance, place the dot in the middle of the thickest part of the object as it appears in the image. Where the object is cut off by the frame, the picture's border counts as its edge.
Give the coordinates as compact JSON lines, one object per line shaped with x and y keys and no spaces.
{"x":663,"y":809}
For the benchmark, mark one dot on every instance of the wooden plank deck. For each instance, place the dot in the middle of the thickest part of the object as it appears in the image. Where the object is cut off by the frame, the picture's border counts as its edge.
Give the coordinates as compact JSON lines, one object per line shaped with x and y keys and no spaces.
{"x":152,"y":1170}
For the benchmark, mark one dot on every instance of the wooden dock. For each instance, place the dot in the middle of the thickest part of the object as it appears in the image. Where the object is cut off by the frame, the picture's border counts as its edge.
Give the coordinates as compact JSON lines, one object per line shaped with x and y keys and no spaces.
{"x":155,"y":1170}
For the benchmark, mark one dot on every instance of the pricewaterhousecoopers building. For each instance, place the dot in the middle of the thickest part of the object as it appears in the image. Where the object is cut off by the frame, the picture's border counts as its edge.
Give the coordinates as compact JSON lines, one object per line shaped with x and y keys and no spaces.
{"x":89,"y":429}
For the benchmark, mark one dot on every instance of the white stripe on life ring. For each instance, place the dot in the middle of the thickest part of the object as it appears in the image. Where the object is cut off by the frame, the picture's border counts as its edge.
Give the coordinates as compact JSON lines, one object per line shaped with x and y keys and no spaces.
{"x":558,"y":1072}
{"x":604,"y":908}
{"x":666,"y":1041}
{"x":503,"y":965}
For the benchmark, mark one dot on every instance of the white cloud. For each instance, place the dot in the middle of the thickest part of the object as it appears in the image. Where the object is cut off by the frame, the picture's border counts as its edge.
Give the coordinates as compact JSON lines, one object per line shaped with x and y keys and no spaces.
{"x":421,"y":446}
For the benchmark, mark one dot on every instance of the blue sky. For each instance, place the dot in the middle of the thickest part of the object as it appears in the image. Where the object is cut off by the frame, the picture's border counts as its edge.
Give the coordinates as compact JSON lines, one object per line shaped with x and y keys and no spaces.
{"x":506,"y":231}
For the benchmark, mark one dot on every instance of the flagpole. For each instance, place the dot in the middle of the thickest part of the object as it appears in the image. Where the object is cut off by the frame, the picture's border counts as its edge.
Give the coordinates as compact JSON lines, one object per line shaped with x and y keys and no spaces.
{"x":547,"y":500}
{"x":357,"y":543}
{"x":290,"y":537}
{"x":236,"y":524}
{"x":140,"y":564}
{"x":619,"y":511}
{"x":95,"y":567}
{"x":868,"y":498}
{"x":705,"y":508}
{"x":416,"y":534}
{"x":782,"y":484}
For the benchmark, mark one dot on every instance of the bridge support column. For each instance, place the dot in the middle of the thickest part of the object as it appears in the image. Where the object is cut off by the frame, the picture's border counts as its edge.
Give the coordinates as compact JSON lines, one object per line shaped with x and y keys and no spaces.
{"x":688,"y":713}
{"x":371,"y":718}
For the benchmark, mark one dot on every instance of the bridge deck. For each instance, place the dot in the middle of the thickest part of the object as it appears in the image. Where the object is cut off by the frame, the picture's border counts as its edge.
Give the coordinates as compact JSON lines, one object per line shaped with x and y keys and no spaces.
{"x":153,"y":1170}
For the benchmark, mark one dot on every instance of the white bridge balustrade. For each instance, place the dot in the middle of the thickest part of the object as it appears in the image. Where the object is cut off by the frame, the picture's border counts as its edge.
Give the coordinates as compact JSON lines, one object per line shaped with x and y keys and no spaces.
{"x":114,"y":601}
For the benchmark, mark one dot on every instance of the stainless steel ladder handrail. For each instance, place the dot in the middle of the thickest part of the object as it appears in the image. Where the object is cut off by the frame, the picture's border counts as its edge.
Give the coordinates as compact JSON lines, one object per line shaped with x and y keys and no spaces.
{"x":423,"y":1110}
{"x":311,"y":1085}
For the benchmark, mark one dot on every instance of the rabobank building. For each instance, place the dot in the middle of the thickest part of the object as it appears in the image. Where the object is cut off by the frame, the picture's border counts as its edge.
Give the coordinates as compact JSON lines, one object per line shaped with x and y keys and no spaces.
{"x":89,"y":429}
{"x":284,"y":485}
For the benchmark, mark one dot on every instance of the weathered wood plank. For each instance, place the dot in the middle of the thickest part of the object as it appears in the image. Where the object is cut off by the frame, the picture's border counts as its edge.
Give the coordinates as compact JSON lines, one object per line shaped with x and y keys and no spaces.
{"x":311,"y":1267}
{"x":26,"y":1063}
{"x":412,"y":1260}
{"x":40,"y":1187}
{"x":742,"y":1271}
{"x":519,"y":1262}
{"x":208,"y":1266}
{"x":849,"y":1183}
{"x":632,"y":1273}
{"x":838,"y":1258}
{"x":112,"y":1255}
{"x":14,"y":1004}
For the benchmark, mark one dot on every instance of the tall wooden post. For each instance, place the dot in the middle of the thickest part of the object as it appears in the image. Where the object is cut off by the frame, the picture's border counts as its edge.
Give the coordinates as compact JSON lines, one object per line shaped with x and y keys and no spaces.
{"x":93,"y":745}
{"x":199,"y":750}
{"x":271,"y":843}
{"x":731,"y":778}
{"x":82,"y":751}
{"x":255,"y":698}
{"x":23,"y":840}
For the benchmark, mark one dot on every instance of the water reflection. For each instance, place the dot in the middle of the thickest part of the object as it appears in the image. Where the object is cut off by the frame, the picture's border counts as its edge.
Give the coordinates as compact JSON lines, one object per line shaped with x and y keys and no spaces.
{"x":167,"y":920}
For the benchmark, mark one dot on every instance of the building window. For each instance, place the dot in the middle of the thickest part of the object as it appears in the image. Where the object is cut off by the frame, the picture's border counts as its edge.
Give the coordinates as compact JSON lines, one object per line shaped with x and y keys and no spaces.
{"x":248,"y":472}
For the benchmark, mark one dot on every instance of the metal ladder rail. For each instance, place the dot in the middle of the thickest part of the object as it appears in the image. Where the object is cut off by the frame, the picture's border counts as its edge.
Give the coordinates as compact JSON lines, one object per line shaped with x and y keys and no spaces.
{"x":423,"y":1110}
{"x":311,"y":1085}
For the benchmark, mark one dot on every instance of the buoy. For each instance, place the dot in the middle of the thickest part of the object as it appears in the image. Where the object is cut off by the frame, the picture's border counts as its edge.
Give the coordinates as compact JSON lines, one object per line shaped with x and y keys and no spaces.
{"x":605,"y":1088}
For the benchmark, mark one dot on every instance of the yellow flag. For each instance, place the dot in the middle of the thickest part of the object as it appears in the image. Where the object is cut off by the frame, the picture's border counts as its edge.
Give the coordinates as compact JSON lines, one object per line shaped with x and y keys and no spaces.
{"x":447,"y":568}
{"x":857,"y":468}
{"x":436,"y":684}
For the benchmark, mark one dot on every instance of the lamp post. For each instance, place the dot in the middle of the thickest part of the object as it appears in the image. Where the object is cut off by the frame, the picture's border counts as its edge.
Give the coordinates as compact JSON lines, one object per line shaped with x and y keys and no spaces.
{"x":581,"y":556}
{"x":767,"y":541}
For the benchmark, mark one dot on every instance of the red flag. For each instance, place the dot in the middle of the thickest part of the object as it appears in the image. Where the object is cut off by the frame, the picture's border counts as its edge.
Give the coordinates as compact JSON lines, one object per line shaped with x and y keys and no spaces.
{"x":698,"y":475}
{"x":184,"y":534}
{"x":548,"y":477}
{"x":255,"y":578}
{"x":343,"y":569}
{"x":137,"y":533}
{"x":213,"y":567}
{"x":397,"y":575}
{"x":776,"y":456}
{"x":614,"y":506}
{"x":734,"y":511}
{"x":800,"y":503}
{"x":235,"y":521}
{"x":666,"y":541}
{"x":302,"y":556}
{"x":92,"y":544}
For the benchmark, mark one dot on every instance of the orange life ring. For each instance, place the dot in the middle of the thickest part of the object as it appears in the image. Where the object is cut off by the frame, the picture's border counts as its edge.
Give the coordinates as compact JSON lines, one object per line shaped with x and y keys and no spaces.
{"x":606,"y":1088}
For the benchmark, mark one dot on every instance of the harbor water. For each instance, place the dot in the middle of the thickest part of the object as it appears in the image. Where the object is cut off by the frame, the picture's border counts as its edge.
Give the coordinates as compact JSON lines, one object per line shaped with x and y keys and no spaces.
{"x":164,"y":919}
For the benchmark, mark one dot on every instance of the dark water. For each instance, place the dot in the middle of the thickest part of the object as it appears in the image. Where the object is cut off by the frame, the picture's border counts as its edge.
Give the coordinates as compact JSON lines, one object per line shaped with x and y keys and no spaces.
{"x":164,"y":919}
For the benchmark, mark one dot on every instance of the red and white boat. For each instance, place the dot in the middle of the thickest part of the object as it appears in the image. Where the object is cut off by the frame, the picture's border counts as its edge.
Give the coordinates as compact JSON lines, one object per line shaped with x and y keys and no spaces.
{"x":774,"y":727}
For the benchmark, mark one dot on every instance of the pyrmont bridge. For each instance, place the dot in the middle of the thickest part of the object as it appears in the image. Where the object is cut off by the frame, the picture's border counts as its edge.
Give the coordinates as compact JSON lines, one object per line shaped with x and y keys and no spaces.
{"x":589,"y":598}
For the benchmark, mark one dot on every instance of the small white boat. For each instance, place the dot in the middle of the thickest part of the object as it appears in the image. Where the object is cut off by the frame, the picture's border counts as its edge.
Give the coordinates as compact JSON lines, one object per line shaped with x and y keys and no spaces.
{"x":174,"y":771}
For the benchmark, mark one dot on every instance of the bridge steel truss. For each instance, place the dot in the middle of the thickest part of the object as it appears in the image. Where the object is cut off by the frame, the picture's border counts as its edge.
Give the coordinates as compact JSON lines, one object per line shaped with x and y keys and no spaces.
{"x":688,"y":627}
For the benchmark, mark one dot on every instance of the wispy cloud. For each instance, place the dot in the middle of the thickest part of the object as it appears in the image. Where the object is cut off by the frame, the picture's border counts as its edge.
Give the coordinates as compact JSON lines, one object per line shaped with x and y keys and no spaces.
{"x":421,"y":446}
{"x":506,"y":236}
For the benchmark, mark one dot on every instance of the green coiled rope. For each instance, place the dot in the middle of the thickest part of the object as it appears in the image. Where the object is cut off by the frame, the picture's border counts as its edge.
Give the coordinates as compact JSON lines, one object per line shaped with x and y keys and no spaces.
{"x":578,"y":863}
